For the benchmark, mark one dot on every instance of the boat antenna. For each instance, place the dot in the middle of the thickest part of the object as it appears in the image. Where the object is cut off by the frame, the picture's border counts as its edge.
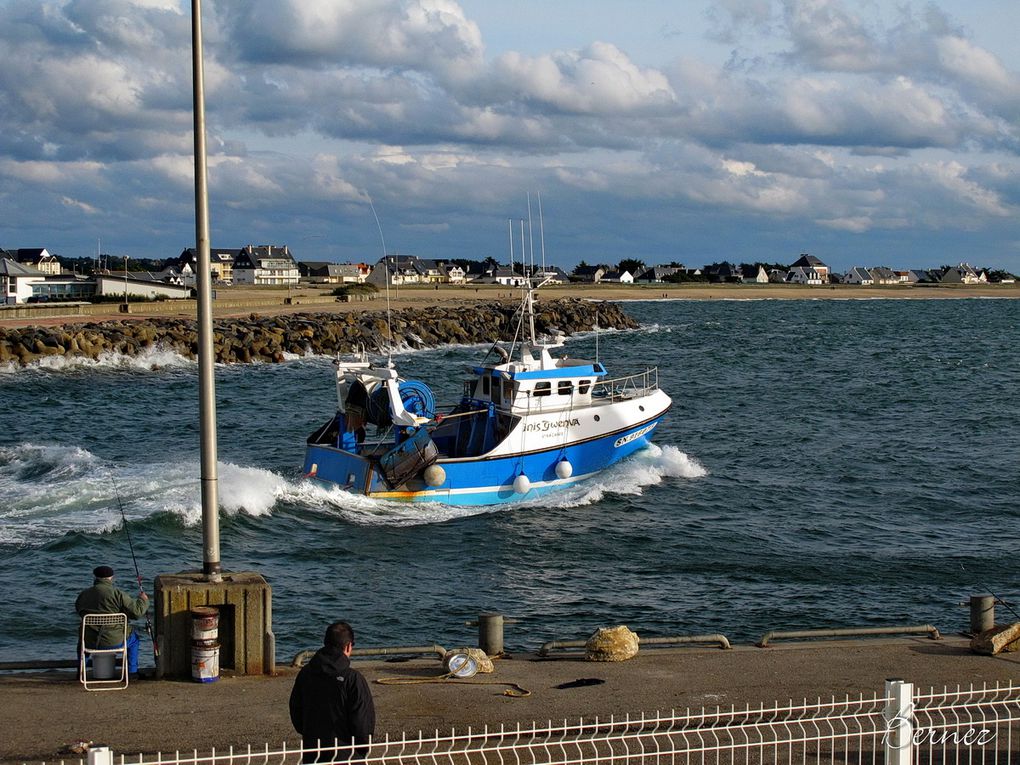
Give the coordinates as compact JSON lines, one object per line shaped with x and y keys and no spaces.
{"x":541,"y":231}
{"x":138,"y":575}
{"x":596,"y":336}
{"x":531,"y":236}
{"x":386,"y":279}
{"x":526,"y":284}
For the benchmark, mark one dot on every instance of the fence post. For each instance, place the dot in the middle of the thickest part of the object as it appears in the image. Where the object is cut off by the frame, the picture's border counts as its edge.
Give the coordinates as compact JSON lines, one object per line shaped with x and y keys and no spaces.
{"x":899,"y":722}
{"x":100,"y":755}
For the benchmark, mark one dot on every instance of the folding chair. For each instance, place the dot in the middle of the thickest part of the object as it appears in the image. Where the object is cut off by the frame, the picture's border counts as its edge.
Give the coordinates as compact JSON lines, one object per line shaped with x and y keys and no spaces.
{"x":104,"y":656}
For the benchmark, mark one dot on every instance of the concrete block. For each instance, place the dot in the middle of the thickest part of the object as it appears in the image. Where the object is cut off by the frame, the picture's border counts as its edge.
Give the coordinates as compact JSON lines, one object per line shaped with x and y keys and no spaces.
{"x":245,"y":604}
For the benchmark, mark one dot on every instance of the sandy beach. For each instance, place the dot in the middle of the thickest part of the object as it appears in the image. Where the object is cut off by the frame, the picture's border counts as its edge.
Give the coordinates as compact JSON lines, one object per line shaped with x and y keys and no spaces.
{"x":267,"y":301}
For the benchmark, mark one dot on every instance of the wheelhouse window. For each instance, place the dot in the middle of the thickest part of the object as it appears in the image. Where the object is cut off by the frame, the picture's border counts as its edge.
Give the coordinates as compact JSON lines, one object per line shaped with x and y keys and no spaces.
{"x":565,"y":388}
{"x":486,"y":385}
{"x":583,"y":386}
{"x":543,"y":389}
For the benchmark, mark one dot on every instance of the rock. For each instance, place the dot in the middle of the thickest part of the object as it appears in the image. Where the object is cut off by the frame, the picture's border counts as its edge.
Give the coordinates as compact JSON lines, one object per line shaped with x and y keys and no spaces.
{"x":998,"y":639}
{"x":611,"y":644}
{"x":256,"y":338}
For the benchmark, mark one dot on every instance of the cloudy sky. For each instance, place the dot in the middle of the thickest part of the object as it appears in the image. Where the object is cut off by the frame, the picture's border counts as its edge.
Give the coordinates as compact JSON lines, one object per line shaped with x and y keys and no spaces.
{"x":864,"y":132}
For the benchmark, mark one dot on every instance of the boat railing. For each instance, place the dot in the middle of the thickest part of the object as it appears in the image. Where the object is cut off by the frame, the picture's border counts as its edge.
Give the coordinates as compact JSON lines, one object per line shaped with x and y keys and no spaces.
{"x":631,"y":386}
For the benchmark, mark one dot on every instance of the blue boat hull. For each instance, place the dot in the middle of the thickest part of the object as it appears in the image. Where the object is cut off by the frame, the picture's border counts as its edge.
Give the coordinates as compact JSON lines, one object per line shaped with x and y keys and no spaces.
{"x":483,"y":481}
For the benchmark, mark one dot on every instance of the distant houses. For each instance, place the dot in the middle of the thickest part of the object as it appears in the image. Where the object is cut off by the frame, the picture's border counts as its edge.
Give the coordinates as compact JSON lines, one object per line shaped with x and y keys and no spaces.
{"x":35,"y":274}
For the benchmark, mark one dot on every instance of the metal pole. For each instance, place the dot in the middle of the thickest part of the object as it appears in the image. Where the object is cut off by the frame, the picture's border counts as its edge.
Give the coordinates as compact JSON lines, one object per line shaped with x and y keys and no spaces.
{"x":899,"y":722}
{"x":206,"y":379}
{"x":490,"y":633}
{"x":982,"y":613}
{"x":100,"y":755}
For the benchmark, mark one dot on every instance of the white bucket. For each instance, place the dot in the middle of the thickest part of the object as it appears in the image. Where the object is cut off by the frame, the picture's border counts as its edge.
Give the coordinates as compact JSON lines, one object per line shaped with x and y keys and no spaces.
{"x":205,"y":662}
{"x":104,"y":666}
{"x":205,"y":624}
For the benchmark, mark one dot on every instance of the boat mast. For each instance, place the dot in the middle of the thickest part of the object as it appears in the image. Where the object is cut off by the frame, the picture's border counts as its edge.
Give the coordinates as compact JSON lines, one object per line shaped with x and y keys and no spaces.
{"x":527,"y":284}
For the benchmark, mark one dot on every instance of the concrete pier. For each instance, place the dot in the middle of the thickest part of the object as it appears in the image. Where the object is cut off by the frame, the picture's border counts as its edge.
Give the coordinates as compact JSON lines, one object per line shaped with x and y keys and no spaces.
{"x":47,"y":711}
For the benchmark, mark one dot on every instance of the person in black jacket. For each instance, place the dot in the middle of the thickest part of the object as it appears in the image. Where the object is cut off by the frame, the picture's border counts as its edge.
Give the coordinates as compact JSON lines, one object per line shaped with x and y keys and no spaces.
{"x":331,"y":704}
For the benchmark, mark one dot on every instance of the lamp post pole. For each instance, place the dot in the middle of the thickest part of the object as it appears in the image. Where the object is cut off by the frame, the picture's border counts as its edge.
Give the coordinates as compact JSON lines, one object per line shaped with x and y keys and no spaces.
{"x":125,"y":283}
{"x":206,"y":367}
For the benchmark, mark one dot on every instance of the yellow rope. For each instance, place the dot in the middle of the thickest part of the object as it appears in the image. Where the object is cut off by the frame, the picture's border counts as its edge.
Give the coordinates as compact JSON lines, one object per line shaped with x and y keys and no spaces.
{"x":514,"y":690}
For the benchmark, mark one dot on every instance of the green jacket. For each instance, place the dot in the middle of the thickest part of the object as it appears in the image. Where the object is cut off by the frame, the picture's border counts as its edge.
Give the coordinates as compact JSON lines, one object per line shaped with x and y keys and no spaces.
{"x":103,"y":598}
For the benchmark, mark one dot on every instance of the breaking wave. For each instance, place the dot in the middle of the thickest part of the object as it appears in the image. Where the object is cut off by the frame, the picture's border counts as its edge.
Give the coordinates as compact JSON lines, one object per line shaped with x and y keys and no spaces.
{"x":150,"y":359}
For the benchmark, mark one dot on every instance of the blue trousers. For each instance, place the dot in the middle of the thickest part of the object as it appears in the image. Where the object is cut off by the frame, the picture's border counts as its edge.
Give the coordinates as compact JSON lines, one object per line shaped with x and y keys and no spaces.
{"x":132,"y":652}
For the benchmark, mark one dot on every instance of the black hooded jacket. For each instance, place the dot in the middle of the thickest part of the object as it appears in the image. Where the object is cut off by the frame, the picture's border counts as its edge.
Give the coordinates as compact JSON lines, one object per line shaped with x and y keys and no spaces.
{"x":331,"y":702}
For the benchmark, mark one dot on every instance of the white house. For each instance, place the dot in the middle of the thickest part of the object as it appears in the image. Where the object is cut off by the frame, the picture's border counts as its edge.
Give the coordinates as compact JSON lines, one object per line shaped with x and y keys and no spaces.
{"x":962,"y":274}
{"x":810,"y":261}
{"x":802,"y":275}
{"x":455,"y":274}
{"x":750,"y":274}
{"x":618,"y":277}
{"x":266,"y":265}
{"x":16,"y":281}
{"x":505,"y":275}
{"x":858,"y":275}
{"x":656,"y":274}
{"x":221,"y":265}
{"x":883,"y":275}
{"x":38,"y":258}
{"x":140,"y":284}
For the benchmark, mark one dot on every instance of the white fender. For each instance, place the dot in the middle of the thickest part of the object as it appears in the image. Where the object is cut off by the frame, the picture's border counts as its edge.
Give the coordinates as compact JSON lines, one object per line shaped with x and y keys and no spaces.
{"x":434,"y":475}
{"x":564,"y":469}
{"x":522,"y":484}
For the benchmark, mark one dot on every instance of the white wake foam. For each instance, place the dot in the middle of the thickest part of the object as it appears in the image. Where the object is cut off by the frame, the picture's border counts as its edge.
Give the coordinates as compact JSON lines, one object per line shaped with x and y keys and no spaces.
{"x":148,"y":359}
{"x":649,"y":467}
{"x":47,"y":491}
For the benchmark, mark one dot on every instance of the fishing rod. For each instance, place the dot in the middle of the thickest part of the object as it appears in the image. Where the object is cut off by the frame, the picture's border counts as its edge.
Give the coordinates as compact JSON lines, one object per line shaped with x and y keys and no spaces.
{"x":998,"y":600}
{"x":138,"y":575}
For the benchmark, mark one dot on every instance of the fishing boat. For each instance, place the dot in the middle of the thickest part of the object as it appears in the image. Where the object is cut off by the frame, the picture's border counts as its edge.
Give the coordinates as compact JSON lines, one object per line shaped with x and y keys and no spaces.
{"x":529,"y":422}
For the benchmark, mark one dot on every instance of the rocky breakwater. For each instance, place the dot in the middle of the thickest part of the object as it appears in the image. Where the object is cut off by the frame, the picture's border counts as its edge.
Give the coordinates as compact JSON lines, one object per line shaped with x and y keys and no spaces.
{"x":271,"y":338}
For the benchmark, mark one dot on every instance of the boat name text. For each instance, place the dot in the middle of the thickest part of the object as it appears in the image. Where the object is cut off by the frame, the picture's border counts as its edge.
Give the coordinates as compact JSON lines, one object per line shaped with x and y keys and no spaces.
{"x":635,"y":435}
{"x":545,"y":425}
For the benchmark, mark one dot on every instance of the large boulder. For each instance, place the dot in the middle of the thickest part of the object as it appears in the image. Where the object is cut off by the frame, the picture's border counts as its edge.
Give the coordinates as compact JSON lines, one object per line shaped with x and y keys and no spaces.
{"x":611,"y":644}
{"x":998,"y":639}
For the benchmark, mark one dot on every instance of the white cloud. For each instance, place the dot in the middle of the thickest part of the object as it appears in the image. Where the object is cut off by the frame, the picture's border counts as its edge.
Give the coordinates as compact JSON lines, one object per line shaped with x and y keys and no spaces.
{"x":598,"y":80}
{"x":314,"y":104}
{"x":78,"y":205}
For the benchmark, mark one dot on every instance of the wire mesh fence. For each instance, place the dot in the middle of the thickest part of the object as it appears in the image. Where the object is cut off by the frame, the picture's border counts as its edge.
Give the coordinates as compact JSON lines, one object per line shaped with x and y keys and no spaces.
{"x":899,"y":725}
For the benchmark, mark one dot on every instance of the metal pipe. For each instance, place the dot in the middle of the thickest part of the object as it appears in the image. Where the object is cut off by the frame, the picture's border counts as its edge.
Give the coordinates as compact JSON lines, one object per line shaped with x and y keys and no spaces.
{"x":302,"y":657}
{"x":203,"y":285}
{"x":920,"y":629}
{"x":723,"y":642}
{"x":40,"y":664}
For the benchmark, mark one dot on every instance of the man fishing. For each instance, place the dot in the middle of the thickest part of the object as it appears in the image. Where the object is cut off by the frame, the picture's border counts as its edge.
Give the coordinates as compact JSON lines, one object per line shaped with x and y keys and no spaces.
{"x":103,"y":598}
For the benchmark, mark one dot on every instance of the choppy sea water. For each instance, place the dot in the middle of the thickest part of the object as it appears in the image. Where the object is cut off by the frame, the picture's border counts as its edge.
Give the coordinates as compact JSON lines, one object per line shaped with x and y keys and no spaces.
{"x":826,"y":463}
